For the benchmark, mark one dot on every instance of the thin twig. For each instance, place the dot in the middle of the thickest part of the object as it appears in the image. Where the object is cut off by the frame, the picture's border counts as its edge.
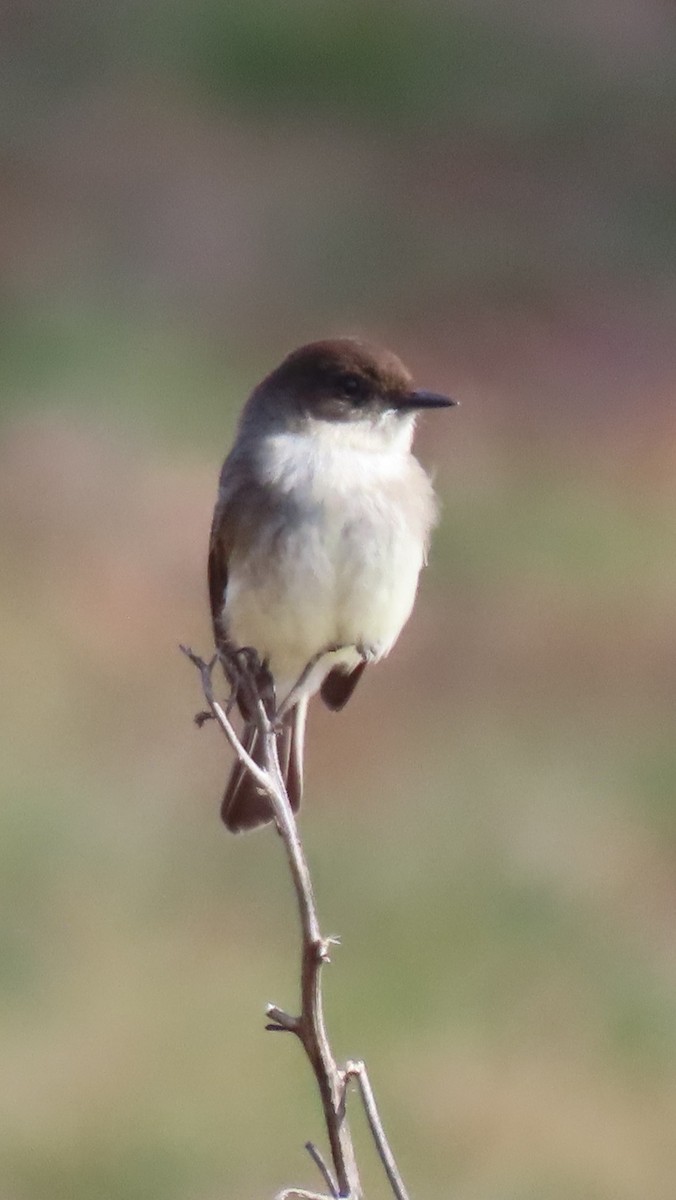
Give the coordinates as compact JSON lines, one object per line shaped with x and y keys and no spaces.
{"x":295,"y":1194}
{"x":357,"y":1070}
{"x":318,"y":1160}
{"x":309,"y":1026}
{"x":206,"y":671}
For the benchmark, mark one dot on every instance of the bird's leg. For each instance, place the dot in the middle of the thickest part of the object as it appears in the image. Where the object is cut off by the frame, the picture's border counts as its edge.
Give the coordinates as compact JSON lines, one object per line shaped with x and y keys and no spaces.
{"x":265,"y":685}
{"x":292,"y":698}
{"x":367,"y":652}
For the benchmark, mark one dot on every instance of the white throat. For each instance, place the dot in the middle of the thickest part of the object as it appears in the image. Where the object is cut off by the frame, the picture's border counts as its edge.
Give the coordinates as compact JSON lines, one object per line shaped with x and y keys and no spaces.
{"x":390,"y":433}
{"x":337,"y":454}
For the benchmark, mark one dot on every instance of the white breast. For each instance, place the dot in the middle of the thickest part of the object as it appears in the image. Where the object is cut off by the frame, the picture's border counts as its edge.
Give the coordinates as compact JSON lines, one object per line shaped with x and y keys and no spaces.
{"x":345,"y":569}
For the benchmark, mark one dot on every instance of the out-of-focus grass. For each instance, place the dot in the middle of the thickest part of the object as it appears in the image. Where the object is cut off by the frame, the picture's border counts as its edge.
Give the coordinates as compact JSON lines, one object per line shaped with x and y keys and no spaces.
{"x":139,"y":373}
{"x":573,"y":530}
{"x":498,"y":860}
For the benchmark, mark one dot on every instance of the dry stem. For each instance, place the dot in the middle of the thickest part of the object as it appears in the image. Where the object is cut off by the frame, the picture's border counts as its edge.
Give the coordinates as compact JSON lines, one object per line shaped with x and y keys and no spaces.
{"x":309,"y":1025}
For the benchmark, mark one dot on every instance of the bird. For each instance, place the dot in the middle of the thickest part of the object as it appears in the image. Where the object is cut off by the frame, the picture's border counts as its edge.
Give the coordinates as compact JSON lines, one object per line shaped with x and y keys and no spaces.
{"x":320,"y":529}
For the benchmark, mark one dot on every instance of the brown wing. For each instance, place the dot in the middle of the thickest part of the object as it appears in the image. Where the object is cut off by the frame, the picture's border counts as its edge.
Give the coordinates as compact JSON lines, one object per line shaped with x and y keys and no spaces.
{"x":339,"y":686}
{"x":221,"y":541}
{"x":234,"y":517}
{"x":242,"y":507}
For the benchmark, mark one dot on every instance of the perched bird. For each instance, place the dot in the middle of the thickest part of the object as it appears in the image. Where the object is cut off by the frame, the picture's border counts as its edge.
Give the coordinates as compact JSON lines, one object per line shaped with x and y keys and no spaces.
{"x":320,"y":529}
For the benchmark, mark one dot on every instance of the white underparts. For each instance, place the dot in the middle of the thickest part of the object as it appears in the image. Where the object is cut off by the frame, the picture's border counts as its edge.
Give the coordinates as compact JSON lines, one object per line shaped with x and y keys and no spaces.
{"x":341,"y":567}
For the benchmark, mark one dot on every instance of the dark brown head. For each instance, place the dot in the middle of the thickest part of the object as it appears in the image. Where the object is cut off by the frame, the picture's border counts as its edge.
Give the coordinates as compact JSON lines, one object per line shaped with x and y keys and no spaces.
{"x":342,"y":381}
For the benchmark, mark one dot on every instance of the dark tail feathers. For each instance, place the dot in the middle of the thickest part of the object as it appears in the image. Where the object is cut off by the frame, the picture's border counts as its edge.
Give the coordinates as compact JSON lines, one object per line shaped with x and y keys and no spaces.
{"x":244,"y":805}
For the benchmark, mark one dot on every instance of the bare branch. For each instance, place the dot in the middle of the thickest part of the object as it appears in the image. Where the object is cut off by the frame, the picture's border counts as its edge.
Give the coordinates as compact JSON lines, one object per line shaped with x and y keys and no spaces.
{"x":281,"y":1020}
{"x":317,"y":1158}
{"x":244,"y":671}
{"x":206,"y":671}
{"x":295,"y":1194}
{"x":357,"y":1070}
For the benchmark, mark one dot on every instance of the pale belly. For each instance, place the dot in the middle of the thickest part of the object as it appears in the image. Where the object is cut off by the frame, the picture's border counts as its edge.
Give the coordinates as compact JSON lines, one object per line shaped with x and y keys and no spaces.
{"x":345,"y":576}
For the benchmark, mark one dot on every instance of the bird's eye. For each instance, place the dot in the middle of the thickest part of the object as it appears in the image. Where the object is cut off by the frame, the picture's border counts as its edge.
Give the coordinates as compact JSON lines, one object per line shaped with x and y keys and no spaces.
{"x":352,"y":387}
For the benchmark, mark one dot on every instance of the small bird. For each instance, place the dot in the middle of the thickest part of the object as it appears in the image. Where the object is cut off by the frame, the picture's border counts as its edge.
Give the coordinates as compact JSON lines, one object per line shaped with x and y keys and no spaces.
{"x":320,"y":529}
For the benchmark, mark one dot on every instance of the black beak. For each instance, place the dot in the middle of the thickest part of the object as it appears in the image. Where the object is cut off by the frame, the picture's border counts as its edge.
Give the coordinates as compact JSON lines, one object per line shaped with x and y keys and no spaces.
{"x":423,"y":399}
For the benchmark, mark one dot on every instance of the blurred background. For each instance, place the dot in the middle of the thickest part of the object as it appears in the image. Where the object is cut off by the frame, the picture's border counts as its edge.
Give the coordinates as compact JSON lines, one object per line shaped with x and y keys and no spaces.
{"x":188,"y":191}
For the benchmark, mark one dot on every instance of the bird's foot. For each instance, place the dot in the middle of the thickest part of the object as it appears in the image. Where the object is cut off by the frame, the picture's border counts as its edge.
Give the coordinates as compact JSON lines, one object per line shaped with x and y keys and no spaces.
{"x":368,"y":652}
{"x":250,"y":680}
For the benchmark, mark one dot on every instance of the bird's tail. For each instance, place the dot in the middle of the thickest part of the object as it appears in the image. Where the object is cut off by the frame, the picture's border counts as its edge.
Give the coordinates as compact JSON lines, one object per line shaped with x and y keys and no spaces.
{"x":244,"y":805}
